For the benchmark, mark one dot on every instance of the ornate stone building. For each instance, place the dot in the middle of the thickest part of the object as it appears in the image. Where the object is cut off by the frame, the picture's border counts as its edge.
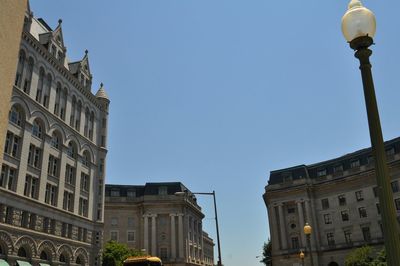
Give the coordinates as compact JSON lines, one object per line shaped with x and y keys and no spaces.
{"x":153,"y":218}
{"x":338,"y":198}
{"x":53,"y":170}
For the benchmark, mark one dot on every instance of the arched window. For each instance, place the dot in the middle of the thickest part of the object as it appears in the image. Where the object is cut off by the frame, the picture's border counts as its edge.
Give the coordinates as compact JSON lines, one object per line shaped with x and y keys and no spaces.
{"x":78,"y":116}
{"x":62,"y":258}
{"x":37,"y":129}
{"x":20,"y":68}
{"x":86,"y":128}
{"x":73,"y":111}
{"x":39,"y":90}
{"x":72,"y":150}
{"x":22,"y":252}
{"x":56,"y":140}
{"x":46,"y":91}
{"x":58,"y":99}
{"x":16,"y":115}
{"x":91,"y":126}
{"x":28,"y":76}
{"x":86,"y":158}
{"x":43,"y":255}
{"x":80,"y":261}
{"x":63,"y":103}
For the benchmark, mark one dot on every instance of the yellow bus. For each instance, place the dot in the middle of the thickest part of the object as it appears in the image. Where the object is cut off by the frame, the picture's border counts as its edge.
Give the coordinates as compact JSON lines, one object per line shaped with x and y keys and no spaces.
{"x":143,"y":261}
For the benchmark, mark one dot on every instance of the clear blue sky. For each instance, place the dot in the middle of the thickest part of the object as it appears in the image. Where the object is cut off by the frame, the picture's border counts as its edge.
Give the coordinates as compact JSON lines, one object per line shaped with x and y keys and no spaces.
{"x":217,"y":93}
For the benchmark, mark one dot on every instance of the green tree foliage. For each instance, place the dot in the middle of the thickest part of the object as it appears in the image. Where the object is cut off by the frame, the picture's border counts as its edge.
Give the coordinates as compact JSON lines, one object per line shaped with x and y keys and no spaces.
{"x":267,"y":255}
{"x":115,"y":253}
{"x":365,"y":256}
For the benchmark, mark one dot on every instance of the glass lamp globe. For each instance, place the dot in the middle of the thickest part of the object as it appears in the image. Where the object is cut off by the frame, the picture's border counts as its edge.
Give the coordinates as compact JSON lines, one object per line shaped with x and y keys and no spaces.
{"x":358,"y":21}
{"x":301,"y":255}
{"x":307,"y":229}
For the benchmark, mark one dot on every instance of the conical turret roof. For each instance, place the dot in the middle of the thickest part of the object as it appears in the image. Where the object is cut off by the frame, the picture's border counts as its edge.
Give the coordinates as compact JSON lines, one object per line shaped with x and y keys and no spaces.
{"x":101,"y":93}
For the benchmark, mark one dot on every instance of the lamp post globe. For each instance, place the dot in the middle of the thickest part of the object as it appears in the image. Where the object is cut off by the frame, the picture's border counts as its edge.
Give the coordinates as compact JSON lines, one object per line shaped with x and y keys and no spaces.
{"x":307,"y":229}
{"x":359,"y":27}
{"x":301,"y":255}
{"x":358,"y":21}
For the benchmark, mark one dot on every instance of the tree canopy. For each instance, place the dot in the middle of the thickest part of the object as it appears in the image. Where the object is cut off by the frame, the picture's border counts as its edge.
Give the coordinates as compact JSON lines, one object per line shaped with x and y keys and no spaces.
{"x":267,"y":249}
{"x":365,"y":256}
{"x":115,"y":253}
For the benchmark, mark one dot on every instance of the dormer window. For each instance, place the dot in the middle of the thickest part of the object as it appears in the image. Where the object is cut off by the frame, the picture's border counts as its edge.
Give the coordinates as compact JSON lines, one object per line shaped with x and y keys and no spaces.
{"x":321,"y":172}
{"x":338,"y":168}
{"x":390,"y":151}
{"x":162,"y":191}
{"x":355,"y":164}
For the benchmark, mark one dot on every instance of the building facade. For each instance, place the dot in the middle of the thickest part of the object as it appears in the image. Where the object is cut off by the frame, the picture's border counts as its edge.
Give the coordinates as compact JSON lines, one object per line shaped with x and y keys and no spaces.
{"x":153,"y":218}
{"x":338,"y":198}
{"x":53,"y":170}
{"x":11,"y":21}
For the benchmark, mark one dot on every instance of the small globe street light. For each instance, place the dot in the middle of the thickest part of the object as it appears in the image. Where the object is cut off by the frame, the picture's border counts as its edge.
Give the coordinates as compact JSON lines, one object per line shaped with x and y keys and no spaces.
{"x":301,"y":255}
{"x":307,"y":231}
{"x":358,"y":27}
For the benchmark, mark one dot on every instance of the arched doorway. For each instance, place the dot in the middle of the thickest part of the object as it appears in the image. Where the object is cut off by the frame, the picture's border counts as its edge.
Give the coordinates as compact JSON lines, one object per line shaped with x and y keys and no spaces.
{"x":22,"y":252}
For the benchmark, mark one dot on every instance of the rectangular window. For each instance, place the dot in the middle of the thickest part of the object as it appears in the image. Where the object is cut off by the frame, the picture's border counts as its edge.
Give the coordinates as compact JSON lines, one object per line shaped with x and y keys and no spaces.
{"x":11,"y":146}
{"x":378,"y":208}
{"x":291,"y":210}
{"x":83,"y":207}
{"x":321,"y":173}
{"x":390,"y":152}
{"x":131,"y":221}
{"x":397,"y":203}
{"x":164,"y":253}
{"x":338,"y":169}
{"x":9,"y":215}
{"x":53,"y":166}
{"x":363,"y":212}
{"x":31,"y":186}
{"x":114,"y":221}
{"x":131,"y":236}
{"x":68,"y":201}
{"x":345,"y":215}
{"x":84,"y":182}
{"x":359,"y":195}
{"x":325,"y":204}
{"x":114,"y":193}
{"x":331,"y":239}
{"x":114,"y":235}
{"x":34,"y":156}
{"x":342,"y":200}
{"x":32,"y":221}
{"x":355,"y":164}
{"x":375,"y":189}
{"x":347,"y":236}
{"x":46,"y":225}
{"x":70,"y":173}
{"x":131,"y":194}
{"x":162,"y":191}
{"x":395,"y":186}
{"x":327,"y":218}
{"x":51,"y":195}
{"x":366,"y":234}
{"x":295,"y":242}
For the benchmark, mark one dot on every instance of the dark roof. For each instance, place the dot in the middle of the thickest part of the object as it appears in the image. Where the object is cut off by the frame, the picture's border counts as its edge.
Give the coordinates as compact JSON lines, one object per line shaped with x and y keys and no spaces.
{"x":147,"y":189}
{"x":45,"y":24}
{"x":302,"y":171}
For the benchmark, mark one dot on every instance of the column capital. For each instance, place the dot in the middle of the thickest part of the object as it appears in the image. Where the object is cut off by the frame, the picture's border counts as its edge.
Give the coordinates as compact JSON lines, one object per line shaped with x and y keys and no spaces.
{"x":180,"y":214}
{"x":173,"y":215}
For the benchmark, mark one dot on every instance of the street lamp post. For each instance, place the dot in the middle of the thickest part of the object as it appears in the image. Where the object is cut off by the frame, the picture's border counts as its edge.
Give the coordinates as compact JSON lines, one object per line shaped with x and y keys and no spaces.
{"x":216,"y":218}
{"x":358,"y":27}
{"x":307,"y":231}
{"x":301,"y":255}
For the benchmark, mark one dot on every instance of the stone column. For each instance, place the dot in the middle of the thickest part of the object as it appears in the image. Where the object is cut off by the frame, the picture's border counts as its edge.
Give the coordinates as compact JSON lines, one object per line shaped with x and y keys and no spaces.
{"x":153,"y":235}
{"x":24,"y":145}
{"x":146,"y":233}
{"x":282,"y":227}
{"x":180,"y":236}
{"x":173,"y":237}
{"x":313,"y":224}
{"x":301,"y":222}
{"x":272,"y":216}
